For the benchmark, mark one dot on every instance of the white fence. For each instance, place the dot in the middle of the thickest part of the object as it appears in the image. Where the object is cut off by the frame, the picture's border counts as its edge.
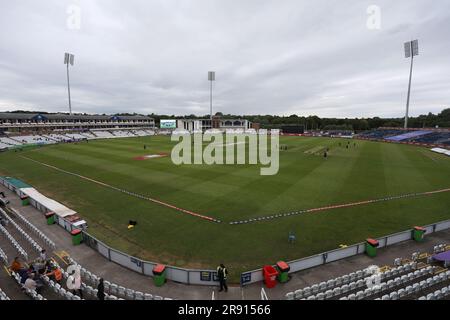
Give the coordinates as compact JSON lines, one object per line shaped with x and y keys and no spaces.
{"x":338,"y":254}
{"x":209,"y":277}
{"x":187,"y":276}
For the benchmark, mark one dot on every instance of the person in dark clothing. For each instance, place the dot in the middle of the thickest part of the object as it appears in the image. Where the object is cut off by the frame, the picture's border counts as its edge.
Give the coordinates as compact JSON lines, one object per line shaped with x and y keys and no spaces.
{"x":222,"y":274}
{"x":101,"y":290}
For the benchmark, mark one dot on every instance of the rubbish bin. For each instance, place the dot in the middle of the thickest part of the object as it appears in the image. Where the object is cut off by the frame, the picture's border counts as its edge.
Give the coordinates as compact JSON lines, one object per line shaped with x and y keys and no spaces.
{"x":270,"y":276}
{"x":283,"y":269}
{"x":25,"y":200}
{"x":371,"y":247}
{"x":159,"y":275}
{"x":50,"y":216}
{"x":77,"y":236}
{"x":418,"y":233}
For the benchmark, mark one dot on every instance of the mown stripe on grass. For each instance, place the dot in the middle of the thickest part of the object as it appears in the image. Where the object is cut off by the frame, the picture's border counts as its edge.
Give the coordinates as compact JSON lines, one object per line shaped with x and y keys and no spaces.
{"x":339,"y":206}
{"x":126,"y":192}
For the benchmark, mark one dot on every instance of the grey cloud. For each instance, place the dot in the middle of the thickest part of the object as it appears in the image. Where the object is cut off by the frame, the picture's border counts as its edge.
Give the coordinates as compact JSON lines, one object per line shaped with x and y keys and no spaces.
{"x":271,"y":57}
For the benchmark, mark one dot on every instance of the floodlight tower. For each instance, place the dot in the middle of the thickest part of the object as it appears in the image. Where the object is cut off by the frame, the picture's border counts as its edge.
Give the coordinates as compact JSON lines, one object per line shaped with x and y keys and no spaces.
{"x":411,"y":50}
{"x":211,"y":78}
{"x":68,"y":59}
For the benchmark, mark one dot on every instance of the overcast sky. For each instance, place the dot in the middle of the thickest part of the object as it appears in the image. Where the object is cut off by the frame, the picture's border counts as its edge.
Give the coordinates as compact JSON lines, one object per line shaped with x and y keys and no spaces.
{"x":271,"y":57}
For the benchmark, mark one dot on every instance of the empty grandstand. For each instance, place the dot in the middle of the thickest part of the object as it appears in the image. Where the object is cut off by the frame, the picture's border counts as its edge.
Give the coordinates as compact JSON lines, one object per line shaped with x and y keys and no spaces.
{"x":16,"y":122}
{"x":432,"y":137}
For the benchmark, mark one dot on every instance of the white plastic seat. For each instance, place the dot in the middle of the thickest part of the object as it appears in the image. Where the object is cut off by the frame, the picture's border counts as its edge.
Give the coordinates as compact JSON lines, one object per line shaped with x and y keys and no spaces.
{"x":121,"y":291}
{"x":140,"y":296}
{"x":106,"y":285}
{"x":322,"y":286}
{"x":88,"y":290}
{"x":148,"y":296}
{"x":68,"y":295}
{"x":320,"y":296}
{"x":404,"y":279}
{"x":393,"y":295}
{"x":390,"y":283}
{"x":409,"y":290}
{"x":312,"y":297}
{"x":359,"y":295}
{"x":113,"y":288}
{"x":288,"y":296}
{"x":345,"y":288}
{"x":57,"y":287}
{"x":329,"y":294}
{"x":352,"y":297}
{"x":438,"y":294}
{"x":129,"y":293}
{"x":306,"y":292}
{"x":298,"y":294}
{"x":360,"y":283}
{"x":337,"y":291}
{"x":331,"y":283}
{"x":359,"y":274}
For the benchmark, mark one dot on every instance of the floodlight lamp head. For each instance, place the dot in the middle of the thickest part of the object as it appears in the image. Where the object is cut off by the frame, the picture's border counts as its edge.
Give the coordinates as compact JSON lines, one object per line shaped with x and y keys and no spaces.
{"x":69,"y":58}
{"x":411,"y":48}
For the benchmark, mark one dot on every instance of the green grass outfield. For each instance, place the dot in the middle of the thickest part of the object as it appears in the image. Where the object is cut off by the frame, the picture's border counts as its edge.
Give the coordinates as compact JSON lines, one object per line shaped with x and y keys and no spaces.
{"x":235,"y":192}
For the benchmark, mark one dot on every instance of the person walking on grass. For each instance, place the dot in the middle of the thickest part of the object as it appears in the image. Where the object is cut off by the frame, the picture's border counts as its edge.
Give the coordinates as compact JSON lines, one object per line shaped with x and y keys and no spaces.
{"x":222,"y":274}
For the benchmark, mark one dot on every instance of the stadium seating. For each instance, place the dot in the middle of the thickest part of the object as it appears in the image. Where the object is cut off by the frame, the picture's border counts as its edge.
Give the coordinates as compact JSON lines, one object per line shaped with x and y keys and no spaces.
{"x":112,"y":291}
{"x":22,"y":232}
{"x":14,"y":243}
{"x":411,"y":136}
{"x":31,"y":293}
{"x":17,"y":141}
{"x":35,"y":230}
{"x":3,"y":296}
{"x":89,"y":135}
{"x":408,"y":136}
{"x":9,"y":141}
{"x":123,"y":134}
{"x":3,"y":256}
{"x":104,"y":134}
{"x":37,"y":139}
{"x":75,"y":136}
{"x":404,"y":280}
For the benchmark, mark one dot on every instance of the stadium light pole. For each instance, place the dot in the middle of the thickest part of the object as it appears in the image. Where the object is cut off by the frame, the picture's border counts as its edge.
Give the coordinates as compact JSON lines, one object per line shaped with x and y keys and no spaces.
{"x":211,"y":78}
{"x":411,"y":50}
{"x":68,"y":59}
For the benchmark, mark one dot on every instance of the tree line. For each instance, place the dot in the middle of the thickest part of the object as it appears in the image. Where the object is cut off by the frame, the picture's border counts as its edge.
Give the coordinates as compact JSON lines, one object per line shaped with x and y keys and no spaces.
{"x":442,"y":120}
